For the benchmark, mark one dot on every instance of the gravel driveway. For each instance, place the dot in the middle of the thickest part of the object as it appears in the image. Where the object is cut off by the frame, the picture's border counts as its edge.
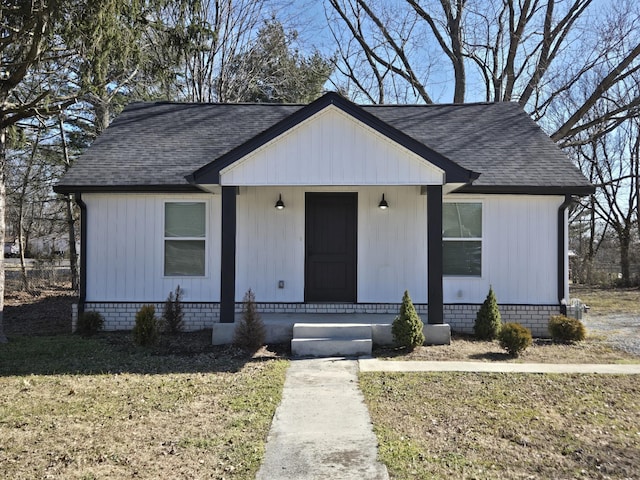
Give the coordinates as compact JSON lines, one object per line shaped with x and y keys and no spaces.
{"x":620,"y":330}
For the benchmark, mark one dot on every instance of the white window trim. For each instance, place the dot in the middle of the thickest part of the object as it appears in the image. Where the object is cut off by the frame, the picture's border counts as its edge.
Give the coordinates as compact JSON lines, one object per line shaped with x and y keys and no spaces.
{"x":469,"y":239}
{"x":205,"y":238}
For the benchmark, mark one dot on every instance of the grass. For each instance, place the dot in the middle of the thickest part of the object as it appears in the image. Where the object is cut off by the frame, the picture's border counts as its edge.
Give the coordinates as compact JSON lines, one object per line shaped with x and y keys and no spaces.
{"x":97,"y":408}
{"x":608,"y":300}
{"x":499,"y":426}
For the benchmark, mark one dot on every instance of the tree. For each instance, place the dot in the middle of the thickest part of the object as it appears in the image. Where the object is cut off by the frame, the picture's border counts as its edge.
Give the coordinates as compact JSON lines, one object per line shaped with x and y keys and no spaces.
{"x":488,"y":320}
{"x":26,"y":41}
{"x":271,"y":71}
{"x":407,"y":326}
{"x":531,"y":51}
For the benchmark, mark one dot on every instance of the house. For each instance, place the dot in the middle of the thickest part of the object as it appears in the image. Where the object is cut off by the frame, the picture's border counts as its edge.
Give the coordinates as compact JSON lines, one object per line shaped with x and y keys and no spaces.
{"x":328,"y":207}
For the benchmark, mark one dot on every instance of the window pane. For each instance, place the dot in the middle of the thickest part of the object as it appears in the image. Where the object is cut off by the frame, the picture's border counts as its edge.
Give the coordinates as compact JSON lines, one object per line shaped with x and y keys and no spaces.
{"x":184,"y":219}
{"x":184,"y":258}
{"x":462,"y":258}
{"x":462,"y":220}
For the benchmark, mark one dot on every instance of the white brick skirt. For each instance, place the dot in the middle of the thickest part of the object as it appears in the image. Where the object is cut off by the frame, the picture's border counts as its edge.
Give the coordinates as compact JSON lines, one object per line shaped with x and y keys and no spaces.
{"x":201,"y":315}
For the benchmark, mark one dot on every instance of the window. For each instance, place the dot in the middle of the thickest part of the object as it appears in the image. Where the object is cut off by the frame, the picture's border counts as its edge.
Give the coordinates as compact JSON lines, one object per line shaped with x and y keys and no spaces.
{"x":462,"y":239}
{"x":184,"y":239}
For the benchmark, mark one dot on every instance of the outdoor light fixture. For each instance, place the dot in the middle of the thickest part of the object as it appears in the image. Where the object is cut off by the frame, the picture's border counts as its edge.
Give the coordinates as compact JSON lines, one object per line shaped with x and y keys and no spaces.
{"x":280,"y":203}
{"x":383,"y":205}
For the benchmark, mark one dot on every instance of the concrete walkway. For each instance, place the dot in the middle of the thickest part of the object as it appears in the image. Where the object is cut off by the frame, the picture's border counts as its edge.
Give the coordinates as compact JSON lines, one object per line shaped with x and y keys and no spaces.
{"x":322,"y":429}
{"x":375,"y":365}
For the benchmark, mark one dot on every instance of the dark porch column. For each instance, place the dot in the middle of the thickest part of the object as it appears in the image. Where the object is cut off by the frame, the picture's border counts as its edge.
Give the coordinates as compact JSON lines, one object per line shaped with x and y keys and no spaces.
{"x":228,"y":252}
{"x":434,"y":255}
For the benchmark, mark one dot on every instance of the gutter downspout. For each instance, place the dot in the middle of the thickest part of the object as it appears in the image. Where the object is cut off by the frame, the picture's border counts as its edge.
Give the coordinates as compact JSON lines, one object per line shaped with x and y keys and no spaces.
{"x":83,"y":252}
{"x":562,"y":253}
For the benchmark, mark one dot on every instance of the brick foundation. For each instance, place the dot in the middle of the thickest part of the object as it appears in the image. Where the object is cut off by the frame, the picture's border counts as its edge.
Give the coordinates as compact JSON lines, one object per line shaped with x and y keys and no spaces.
{"x":197,"y":316}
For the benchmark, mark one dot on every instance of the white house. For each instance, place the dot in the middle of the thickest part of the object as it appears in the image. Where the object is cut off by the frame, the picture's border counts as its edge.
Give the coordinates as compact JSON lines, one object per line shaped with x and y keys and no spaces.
{"x":187,"y":194}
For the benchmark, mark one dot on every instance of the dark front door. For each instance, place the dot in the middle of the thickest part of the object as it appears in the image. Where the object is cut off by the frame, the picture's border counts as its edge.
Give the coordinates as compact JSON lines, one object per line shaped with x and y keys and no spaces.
{"x":330,"y":266}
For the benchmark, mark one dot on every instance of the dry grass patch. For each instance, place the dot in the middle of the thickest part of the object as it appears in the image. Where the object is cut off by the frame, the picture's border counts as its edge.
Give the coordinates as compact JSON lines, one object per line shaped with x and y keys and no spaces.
{"x":99,"y":409}
{"x":499,"y":426}
{"x":467,"y":348}
{"x":607,"y":301}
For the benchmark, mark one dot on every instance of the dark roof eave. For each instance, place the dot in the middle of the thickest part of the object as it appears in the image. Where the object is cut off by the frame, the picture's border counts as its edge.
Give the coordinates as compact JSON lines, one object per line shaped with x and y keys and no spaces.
{"x":182,"y":188}
{"x":210,"y":173}
{"x":578,"y":190}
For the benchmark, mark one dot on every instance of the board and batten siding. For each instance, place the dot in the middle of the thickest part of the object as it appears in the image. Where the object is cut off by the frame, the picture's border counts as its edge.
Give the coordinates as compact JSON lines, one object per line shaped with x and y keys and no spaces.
{"x":519,"y":251}
{"x":331,"y":148}
{"x":271,"y":243}
{"x":125,"y":249}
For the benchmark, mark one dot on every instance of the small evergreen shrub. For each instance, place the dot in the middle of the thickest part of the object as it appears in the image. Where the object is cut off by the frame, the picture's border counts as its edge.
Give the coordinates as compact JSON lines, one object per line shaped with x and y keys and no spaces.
{"x":407,"y":326}
{"x":488,"y":321}
{"x":172,"y":314}
{"x":566,"y":329}
{"x":145,"y":331}
{"x":250,"y":332}
{"x":89,"y":323}
{"x":514,"y":338}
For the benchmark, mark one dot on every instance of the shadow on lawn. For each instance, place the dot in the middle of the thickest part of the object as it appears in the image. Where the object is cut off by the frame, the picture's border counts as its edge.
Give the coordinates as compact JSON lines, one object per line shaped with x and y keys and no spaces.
{"x":115,"y":352}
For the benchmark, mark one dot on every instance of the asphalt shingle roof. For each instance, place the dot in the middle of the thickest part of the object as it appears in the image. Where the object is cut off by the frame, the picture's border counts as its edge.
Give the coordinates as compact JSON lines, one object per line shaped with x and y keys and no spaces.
{"x":157,"y":145}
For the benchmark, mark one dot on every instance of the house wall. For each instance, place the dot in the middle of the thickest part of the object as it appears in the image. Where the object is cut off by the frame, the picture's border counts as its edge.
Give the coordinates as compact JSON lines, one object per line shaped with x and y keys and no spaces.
{"x":125,"y":254}
{"x":271,"y":243}
{"x":125,"y":249}
{"x":332,"y":148}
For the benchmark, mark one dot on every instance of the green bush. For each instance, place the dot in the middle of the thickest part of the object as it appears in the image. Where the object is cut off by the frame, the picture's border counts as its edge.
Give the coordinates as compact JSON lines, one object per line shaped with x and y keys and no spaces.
{"x":89,"y":323}
{"x":488,"y":321}
{"x":145,"y":331}
{"x":566,"y":329}
{"x":407,"y":326}
{"x":172,"y":314}
{"x":250,"y":332}
{"x":514,"y":338}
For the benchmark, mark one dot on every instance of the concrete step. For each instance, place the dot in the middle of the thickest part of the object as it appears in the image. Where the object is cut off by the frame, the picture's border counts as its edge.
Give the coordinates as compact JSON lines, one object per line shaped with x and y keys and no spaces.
{"x":330,"y":347}
{"x":332,"y":330}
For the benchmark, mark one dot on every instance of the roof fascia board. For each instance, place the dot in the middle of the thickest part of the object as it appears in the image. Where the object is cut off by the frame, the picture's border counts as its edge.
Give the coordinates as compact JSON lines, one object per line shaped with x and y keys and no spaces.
{"x":187,"y":188}
{"x":528,"y":190}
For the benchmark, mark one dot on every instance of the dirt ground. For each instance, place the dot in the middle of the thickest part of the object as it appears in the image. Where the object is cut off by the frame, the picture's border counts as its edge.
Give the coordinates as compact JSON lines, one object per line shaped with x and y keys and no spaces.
{"x":49,"y":313}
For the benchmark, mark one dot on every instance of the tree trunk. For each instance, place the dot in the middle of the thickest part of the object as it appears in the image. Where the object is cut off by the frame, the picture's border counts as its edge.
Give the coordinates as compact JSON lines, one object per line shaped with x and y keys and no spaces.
{"x":3,"y":338}
{"x":625,"y":242}
{"x":73,"y":254}
{"x":71,"y":224}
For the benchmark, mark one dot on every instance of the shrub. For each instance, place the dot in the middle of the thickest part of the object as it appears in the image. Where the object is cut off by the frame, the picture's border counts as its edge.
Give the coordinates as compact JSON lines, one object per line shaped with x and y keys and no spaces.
{"x":172,"y":314}
{"x":407,"y":326}
{"x":488,"y":321}
{"x":514,"y":338}
{"x":250,"y":333}
{"x":145,"y":331}
{"x":89,"y":323}
{"x":566,"y":329}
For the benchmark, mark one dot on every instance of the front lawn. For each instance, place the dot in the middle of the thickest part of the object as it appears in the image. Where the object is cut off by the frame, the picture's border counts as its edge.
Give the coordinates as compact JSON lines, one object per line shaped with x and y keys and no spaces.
{"x":102,"y":408}
{"x":505,"y":426}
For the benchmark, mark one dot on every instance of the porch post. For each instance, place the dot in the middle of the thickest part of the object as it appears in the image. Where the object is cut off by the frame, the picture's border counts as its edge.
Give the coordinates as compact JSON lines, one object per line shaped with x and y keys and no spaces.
{"x":228,"y":252}
{"x":434,"y":255}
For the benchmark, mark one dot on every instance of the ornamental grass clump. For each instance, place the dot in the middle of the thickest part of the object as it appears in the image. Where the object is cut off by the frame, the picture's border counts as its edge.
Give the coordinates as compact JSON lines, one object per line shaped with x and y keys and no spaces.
{"x":566,"y":329}
{"x":514,"y":338}
{"x":145,"y":332}
{"x":89,"y":323}
{"x":172,"y":314}
{"x":250,"y":332}
{"x":488,"y":321}
{"x":407,"y":326}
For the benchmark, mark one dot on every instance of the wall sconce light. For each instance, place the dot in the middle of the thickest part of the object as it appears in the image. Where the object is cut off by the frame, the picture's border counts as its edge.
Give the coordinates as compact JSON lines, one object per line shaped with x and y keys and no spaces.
{"x":383,"y":205}
{"x":280,"y":203}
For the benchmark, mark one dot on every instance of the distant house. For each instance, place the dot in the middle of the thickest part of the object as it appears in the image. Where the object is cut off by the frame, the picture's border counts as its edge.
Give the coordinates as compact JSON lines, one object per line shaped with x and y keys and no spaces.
{"x":326,"y":207}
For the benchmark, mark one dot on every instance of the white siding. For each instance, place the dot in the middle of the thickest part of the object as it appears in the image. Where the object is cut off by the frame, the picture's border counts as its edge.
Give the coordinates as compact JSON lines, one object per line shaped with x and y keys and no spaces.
{"x":125,"y":248}
{"x":332,"y":148}
{"x":519,"y":251}
{"x":271,"y":243}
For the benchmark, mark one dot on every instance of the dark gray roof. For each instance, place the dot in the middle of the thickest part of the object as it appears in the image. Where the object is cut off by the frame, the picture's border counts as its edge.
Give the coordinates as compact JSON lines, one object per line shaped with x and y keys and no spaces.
{"x":156,"y":146}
